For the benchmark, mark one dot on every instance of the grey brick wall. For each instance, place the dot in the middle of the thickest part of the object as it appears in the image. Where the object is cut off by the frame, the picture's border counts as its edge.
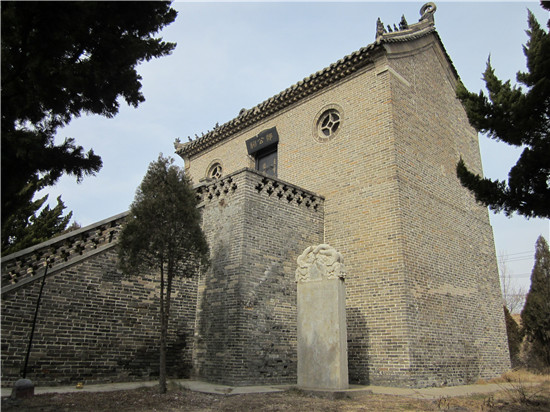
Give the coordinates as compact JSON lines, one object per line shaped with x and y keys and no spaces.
{"x":455,"y":318}
{"x":246,"y":317}
{"x":94,"y":325}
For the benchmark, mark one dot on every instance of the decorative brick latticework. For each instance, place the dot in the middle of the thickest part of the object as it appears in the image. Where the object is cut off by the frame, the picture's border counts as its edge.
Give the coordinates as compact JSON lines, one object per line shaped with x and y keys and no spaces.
{"x":22,"y":267}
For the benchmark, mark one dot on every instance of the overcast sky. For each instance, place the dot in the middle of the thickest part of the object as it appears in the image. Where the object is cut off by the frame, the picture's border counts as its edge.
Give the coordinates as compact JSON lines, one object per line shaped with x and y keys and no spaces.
{"x":236,"y":55}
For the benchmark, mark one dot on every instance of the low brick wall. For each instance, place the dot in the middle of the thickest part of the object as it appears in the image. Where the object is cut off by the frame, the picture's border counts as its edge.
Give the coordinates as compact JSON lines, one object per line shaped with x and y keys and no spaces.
{"x":94,"y":324}
{"x":61,"y":251}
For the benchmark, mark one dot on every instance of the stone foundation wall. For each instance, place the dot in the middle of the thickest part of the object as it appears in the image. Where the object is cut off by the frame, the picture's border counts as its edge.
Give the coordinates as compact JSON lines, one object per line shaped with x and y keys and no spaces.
{"x":246,"y":317}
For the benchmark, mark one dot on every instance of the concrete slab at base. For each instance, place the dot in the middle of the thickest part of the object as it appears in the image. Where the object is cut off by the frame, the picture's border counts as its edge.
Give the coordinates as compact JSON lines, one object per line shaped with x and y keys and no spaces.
{"x":198,"y":386}
{"x":332,"y":395}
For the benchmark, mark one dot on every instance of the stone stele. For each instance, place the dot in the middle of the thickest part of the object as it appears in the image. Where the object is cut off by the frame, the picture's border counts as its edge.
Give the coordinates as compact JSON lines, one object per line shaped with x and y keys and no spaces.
{"x":322,"y":335}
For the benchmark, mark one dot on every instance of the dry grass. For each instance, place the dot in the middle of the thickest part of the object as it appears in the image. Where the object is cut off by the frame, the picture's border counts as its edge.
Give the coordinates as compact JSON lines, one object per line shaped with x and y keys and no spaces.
{"x":521,"y":375}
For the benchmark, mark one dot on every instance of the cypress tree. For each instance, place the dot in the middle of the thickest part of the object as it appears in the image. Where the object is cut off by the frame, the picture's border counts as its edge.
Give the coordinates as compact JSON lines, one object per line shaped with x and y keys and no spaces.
{"x":519,"y":118}
{"x":535,"y":316}
{"x":514,"y":336}
{"x":27,"y":227}
{"x":163,"y":235}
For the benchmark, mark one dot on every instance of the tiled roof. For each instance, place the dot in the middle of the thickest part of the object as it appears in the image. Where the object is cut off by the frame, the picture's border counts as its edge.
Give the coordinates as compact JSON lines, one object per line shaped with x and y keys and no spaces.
{"x":317,"y":81}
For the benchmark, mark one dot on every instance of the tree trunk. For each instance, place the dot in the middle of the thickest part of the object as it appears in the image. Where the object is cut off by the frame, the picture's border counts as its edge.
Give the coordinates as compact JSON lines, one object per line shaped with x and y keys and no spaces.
{"x":168,"y":293}
{"x":167,"y":297}
{"x":163,"y":330}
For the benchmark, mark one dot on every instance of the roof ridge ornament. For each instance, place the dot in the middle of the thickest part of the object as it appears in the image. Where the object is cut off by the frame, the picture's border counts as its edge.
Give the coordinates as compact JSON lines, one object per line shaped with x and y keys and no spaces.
{"x":427,"y":12}
{"x":403,"y":25}
{"x":426,"y":16}
{"x":380,"y":29}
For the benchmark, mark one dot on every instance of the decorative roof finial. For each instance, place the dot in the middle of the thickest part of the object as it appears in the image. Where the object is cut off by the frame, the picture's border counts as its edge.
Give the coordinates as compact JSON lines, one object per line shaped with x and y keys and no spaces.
{"x":403,"y":25}
{"x":427,"y":12}
{"x":380,"y":30}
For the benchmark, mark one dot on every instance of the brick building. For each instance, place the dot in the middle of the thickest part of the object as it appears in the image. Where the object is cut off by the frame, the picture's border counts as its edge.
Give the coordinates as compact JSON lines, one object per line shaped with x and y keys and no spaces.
{"x":377,"y":135}
{"x":360,"y":155}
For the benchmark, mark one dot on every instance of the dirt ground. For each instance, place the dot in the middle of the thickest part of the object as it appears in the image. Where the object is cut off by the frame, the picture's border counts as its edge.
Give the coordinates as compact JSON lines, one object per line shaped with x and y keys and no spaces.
{"x":521,"y":398}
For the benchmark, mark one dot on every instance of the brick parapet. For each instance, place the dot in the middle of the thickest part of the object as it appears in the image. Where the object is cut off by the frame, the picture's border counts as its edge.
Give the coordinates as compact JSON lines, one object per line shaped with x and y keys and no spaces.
{"x":212,"y":190}
{"x":28,"y":265}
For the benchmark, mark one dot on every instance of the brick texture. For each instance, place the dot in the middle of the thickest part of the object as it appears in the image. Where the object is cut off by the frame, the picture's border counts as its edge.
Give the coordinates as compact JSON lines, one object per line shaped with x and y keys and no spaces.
{"x":423,"y":298}
{"x":246,"y":317}
{"x":94,"y":324}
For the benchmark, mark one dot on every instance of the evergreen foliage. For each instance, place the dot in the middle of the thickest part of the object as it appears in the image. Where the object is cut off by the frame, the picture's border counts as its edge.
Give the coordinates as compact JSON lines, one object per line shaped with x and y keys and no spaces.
{"x":519,"y":118}
{"x":535,"y":316}
{"x":27,"y":227}
{"x":163,"y":235}
{"x":61,"y":60}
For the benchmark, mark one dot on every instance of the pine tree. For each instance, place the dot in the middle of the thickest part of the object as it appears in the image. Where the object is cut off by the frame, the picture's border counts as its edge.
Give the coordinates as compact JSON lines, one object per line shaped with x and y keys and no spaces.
{"x":519,"y":118}
{"x":61,"y":60}
{"x":535,"y":316}
{"x":27,"y":227}
{"x":163,"y":235}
